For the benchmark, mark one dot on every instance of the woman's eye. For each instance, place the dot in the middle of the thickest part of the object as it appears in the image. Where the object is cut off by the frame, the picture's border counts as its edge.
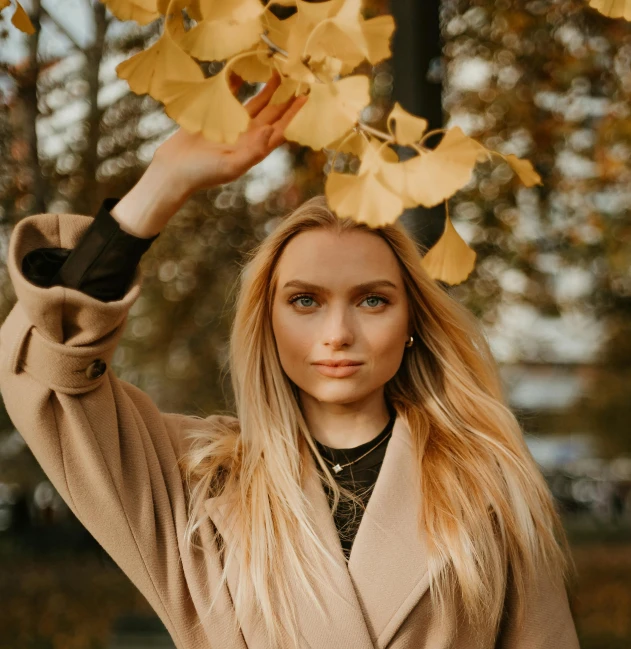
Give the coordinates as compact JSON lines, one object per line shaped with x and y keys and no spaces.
{"x":376,"y":301}
{"x":376,"y":297}
{"x":300,"y":298}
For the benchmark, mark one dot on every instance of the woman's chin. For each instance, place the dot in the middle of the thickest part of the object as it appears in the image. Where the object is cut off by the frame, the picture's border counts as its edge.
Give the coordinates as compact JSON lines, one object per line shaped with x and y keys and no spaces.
{"x":336,"y":393}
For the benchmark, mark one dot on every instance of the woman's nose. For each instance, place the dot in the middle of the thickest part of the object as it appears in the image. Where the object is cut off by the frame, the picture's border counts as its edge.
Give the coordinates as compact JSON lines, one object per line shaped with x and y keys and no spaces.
{"x":338,"y":329}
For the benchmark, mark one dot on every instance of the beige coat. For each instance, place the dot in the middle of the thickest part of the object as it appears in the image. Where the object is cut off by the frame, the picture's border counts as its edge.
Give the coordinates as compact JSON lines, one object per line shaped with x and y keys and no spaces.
{"x":112,"y":455}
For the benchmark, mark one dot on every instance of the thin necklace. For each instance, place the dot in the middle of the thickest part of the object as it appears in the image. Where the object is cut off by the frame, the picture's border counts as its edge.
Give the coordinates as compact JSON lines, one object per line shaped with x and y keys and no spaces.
{"x":337,"y":467}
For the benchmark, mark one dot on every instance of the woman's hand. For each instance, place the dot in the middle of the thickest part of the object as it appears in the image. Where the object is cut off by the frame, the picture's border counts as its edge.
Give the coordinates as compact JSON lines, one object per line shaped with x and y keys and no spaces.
{"x":196,"y":163}
{"x":186,"y":163}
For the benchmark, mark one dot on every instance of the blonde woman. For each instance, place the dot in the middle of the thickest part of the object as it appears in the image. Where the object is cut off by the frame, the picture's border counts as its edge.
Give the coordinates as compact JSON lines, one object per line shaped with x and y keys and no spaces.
{"x":374,"y":489}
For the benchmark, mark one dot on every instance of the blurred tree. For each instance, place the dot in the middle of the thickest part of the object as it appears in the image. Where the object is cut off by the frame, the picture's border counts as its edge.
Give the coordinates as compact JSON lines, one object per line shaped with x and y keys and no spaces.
{"x":26,"y":83}
{"x":549,"y":81}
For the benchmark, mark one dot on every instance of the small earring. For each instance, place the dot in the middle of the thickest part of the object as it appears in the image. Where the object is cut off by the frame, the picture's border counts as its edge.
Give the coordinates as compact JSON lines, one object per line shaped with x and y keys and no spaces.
{"x":410,"y":342}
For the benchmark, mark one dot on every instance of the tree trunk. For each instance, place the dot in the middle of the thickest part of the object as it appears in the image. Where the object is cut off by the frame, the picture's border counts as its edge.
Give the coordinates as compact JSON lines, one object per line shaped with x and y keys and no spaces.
{"x":28,"y":99}
{"x":417,"y":56}
{"x":89,"y":198}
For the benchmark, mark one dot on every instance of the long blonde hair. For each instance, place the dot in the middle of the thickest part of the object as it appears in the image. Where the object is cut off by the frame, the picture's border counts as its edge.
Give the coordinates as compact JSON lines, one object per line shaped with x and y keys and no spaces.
{"x":486,"y":507}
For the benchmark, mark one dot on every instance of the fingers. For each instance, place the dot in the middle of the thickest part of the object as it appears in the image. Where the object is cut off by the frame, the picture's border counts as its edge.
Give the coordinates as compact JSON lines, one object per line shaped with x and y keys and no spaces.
{"x":255,"y":104}
{"x":281,"y":124}
{"x":259,"y":142}
{"x":273,"y":112}
{"x":244,"y":157}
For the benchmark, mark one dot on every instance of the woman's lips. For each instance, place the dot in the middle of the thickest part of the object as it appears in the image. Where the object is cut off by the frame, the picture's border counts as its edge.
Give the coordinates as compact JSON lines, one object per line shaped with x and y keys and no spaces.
{"x":339,"y":371}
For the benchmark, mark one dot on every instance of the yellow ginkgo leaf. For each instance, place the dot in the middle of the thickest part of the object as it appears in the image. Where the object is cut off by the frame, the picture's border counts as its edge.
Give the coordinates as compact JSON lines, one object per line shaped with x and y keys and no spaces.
{"x":613,"y":8}
{"x":333,"y":107}
{"x":216,"y":40}
{"x":524,"y":169}
{"x":327,"y":69}
{"x":307,"y":23}
{"x":296,"y":79}
{"x":297,"y":38}
{"x":388,"y":154}
{"x":194,"y":11}
{"x":315,"y":12}
{"x":296,"y":70}
{"x":403,"y":178}
{"x":340,"y":43}
{"x":340,"y":35}
{"x":288,"y":88}
{"x":348,"y":14}
{"x":408,"y":128}
{"x":375,"y":155}
{"x":277,"y":30}
{"x":174,"y":27}
{"x":352,"y":44}
{"x":230,"y":10}
{"x":256,"y":68}
{"x":4,"y":4}
{"x":170,"y":7}
{"x":225,"y":29}
{"x":450,"y":259}
{"x":141,"y":11}
{"x":377,"y":34}
{"x":383,"y":163}
{"x":21,"y":20}
{"x":354,"y":144}
{"x":362,"y":198}
{"x":147,"y":71}
{"x":446,"y":169}
{"x":208,"y":107}
{"x":173,"y":7}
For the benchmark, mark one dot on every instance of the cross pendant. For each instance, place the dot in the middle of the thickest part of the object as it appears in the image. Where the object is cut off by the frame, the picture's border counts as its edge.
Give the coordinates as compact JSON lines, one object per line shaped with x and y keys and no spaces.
{"x":337,"y":468}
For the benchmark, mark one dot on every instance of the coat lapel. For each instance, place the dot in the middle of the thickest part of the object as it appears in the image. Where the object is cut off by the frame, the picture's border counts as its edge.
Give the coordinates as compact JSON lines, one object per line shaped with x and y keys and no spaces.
{"x":386,"y":575}
{"x":388,"y":560}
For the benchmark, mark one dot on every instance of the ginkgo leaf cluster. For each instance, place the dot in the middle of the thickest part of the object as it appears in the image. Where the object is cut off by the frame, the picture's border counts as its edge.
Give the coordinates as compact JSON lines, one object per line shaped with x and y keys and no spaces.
{"x":316,"y":52}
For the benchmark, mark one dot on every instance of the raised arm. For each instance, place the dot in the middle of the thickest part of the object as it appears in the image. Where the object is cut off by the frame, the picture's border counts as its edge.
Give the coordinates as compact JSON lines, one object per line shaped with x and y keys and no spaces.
{"x":103,"y":443}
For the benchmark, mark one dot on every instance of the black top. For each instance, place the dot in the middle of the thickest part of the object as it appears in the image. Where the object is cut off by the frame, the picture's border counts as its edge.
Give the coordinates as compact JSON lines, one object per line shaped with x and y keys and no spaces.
{"x":359,"y":477}
{"x":103,"y":265}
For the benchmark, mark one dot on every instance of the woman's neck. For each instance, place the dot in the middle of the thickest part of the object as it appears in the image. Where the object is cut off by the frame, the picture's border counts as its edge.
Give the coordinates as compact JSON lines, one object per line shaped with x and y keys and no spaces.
{"x":345,"y":425}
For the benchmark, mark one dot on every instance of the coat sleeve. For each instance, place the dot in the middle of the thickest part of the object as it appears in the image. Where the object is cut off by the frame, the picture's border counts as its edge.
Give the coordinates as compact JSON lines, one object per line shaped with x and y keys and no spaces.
{"x":103,"y":443}
{"x":547,"y":621}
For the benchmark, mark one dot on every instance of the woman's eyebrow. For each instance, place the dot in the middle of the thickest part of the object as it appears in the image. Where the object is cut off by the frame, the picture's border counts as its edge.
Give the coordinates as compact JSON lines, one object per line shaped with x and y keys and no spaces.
{"x":366,"y":286}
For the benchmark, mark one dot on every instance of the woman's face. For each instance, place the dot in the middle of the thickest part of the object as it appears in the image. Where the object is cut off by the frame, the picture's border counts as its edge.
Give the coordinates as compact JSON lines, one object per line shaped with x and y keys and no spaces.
{"x":340,"y":297}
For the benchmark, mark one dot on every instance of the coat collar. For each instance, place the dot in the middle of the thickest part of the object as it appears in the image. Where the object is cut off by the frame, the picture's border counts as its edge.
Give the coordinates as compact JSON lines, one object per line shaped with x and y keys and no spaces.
{"x":386,"y":574}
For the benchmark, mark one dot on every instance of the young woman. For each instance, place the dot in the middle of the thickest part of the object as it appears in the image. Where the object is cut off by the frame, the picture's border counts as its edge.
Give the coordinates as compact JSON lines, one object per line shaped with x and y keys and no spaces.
{"x":374,"y":490}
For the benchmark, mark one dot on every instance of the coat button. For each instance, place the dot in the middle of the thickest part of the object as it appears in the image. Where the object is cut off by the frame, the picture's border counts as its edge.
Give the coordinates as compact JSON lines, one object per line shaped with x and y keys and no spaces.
{"x":95,"y":369}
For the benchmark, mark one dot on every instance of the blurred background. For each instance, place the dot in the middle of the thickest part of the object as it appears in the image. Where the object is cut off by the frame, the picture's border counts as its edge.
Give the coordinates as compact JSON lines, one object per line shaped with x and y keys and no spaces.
{"x":547,"y":80}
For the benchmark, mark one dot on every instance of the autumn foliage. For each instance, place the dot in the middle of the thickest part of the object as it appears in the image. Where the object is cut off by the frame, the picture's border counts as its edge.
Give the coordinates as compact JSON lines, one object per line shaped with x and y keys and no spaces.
{"x":315,"y":51}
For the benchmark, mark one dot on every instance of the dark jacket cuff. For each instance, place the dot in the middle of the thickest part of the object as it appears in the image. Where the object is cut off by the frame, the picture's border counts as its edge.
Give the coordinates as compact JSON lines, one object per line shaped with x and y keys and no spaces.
{"x":103,"y":264}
